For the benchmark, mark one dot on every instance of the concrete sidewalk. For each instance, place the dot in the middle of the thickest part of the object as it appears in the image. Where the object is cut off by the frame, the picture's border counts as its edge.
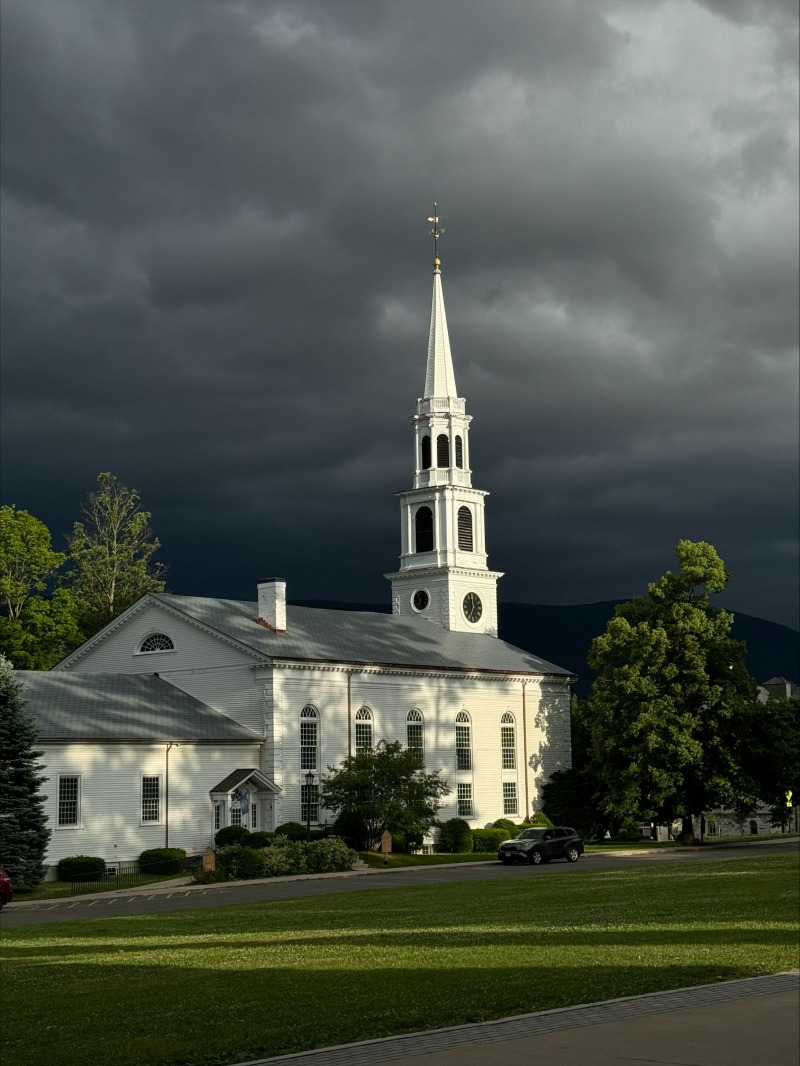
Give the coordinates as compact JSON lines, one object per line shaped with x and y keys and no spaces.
{"x":753,"y":1022}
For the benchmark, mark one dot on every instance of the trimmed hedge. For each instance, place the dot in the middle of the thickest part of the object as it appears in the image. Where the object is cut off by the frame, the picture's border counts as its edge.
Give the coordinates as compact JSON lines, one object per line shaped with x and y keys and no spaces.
{"x":230,"y":834}
{"x":510,"y":828}
{"x":238,"y":863}
{"x":162,"y":861}
{"x":81,"y":868}
{"x":297,"y":831}
{"x":455,"y":836}
{"x":260,"y":839}
{"x":488,"y":839}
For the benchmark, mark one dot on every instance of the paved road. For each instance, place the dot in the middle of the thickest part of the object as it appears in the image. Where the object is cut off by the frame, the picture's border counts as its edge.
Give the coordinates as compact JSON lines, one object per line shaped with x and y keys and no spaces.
{"x":114,"y":905}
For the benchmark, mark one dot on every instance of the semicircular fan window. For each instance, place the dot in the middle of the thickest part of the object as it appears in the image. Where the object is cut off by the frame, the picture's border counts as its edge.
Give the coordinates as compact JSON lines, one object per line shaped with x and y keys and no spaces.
{"x":157,"y":642}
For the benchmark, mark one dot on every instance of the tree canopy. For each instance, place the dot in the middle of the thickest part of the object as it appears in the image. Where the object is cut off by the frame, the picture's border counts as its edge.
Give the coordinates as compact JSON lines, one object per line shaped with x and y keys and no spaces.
{"x":111,"y":554}
{"x":27,"y":559}
{"x":23,"y":824}
{"x":384,"y":788}
{"x":670,"y":697}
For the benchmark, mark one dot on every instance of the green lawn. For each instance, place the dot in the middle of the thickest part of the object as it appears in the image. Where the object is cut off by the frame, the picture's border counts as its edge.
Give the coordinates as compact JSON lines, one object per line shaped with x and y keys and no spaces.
{"x":242,"y":982}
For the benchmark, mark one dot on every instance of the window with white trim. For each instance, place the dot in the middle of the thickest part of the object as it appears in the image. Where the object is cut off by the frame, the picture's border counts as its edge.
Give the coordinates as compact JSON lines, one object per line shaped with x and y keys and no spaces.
{"x":508,"y":744}
{"x":309,"y":794}
{"x":217,"y":816}
{"x":151,"y":798}
{"x":309,"y":737}
{"x":509,"y":797}
{"x":69,"y":801}
{"x":363,"y":730}
{"x":156,"y":642}
{"x":463,"y":742}
{"x":253,"y":814}
{"x":414,"y":734}
{"x":464,"y":801}
{"x":236,"y":814}
{"x":465,"y":543}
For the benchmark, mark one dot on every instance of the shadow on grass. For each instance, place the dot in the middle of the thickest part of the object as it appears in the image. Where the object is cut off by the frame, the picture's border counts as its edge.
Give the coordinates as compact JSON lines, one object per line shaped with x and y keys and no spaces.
{"x":157,"y":1016}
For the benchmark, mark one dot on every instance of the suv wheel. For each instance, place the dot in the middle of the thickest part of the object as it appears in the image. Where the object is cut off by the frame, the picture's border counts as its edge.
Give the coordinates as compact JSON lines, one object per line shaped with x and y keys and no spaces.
{"x":573,"y":854}
{"x":535,"y":856}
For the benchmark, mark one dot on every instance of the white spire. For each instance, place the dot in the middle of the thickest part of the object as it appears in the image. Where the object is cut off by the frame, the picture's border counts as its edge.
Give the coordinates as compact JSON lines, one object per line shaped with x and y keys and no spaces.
{"x":439,"y":377}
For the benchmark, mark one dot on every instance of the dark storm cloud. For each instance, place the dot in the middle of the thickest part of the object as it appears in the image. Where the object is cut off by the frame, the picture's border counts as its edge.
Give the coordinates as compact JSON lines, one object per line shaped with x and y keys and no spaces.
{"x":215,"y":279}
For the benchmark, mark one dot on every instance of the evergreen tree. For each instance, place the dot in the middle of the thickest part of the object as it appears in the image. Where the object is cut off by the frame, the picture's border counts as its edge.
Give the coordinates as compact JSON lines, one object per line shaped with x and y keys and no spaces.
{"x":23,"y":824}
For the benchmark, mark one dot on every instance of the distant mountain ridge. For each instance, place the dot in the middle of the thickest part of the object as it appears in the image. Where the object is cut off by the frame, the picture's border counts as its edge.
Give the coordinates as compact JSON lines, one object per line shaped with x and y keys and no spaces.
{"x":563,"y":635}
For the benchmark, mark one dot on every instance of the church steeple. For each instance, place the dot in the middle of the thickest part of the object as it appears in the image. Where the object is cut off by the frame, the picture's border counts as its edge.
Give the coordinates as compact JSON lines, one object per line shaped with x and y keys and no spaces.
{"x":439,"y":377}
{"x":443,"y":571}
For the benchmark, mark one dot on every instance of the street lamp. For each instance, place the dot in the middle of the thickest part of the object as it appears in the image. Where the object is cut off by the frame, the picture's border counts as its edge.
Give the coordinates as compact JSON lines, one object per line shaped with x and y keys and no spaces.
{"x":309,"y":785}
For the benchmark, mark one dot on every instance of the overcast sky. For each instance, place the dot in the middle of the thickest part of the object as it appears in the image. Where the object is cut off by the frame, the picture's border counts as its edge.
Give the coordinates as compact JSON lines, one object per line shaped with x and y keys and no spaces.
{"x":216,"y":277}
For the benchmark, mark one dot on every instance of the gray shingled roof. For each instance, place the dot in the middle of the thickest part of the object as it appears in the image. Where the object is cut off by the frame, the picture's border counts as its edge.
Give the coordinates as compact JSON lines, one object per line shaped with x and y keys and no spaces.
{"x":122,"y":707}
{"x":318,"y":634}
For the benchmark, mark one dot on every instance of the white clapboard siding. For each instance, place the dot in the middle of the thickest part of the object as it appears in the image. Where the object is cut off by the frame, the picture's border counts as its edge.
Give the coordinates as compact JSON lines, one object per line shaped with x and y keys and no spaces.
{"x":111,"y":795}
{"x":439,"y":698}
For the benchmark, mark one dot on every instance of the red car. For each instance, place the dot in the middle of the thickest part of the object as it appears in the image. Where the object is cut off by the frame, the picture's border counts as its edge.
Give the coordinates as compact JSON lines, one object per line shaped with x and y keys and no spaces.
{"x":6,"y":889}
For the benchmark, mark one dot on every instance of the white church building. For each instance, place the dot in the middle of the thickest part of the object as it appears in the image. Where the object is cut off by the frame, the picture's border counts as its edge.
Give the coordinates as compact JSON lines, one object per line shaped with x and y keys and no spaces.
{"x":187,"y":714}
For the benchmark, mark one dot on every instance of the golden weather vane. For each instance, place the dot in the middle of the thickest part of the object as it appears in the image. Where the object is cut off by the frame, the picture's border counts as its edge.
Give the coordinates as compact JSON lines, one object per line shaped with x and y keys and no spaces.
{"x":436,"y":233}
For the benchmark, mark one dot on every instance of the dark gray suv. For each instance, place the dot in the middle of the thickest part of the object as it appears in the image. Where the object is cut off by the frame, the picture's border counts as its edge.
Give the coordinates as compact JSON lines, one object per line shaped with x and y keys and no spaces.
{"x":541,"y":845}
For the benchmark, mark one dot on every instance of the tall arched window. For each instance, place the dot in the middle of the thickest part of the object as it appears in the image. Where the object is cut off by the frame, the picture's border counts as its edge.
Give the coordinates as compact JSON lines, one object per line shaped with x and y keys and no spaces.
{"x":459,"y":451}
{"x":442,"y":450}
{"x":463,"y":742}
{"x":423,"y":525}
{"x":309,"y":738}
{"x":425,"y":448}
{"x":465,"y":529}
{"x":414,"y":734}
{"x":508,"y":745}
{"x":363,"y":730}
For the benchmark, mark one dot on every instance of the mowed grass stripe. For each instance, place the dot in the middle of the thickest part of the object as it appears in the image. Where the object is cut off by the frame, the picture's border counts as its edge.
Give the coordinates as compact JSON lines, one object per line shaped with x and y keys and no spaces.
{"x":253,"y":980}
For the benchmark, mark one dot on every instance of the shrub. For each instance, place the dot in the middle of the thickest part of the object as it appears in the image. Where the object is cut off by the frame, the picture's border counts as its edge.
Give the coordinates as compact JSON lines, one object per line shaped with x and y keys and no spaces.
{"x":350,"y":826}
{"x":285,"y":858}
{"x":230,"y":834}
{"x":455,"y":836}
{"x":259,"y":839}
{"x":296,"y":831}
{"x":511,"y":829}
{"x":162,"y":861}
{"x":538,"y":819}
{"x":488,"y":839}
{"x":81,"y":868}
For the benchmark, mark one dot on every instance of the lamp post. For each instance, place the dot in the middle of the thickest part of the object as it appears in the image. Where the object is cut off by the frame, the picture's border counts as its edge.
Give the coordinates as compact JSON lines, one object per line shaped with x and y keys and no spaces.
{"x":309,"y":785}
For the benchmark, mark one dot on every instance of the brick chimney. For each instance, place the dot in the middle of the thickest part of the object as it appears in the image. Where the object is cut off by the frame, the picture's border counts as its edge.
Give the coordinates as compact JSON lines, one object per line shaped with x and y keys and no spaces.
{"x":272,"y":604}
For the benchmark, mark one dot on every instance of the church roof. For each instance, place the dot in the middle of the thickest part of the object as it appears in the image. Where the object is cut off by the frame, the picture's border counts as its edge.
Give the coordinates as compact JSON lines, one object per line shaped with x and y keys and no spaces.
{"x":360,"y":637}
{"x":134,"y":707}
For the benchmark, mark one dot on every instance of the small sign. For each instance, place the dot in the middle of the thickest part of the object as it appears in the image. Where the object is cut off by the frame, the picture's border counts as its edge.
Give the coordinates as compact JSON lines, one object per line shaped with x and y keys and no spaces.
{"x":788,"y":797}
{"x":386,"y":842}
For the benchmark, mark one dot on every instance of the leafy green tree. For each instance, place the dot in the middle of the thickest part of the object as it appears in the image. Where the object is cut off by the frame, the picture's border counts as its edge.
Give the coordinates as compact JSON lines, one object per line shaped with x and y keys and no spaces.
{"x":23,"y":824}
{"x":771,"y":755}
{"x":45,"y":632}
{"x":383,"y":788}
{"x":27,"y":559}
{"x":111,"y":554}
{"x":672,"y":692}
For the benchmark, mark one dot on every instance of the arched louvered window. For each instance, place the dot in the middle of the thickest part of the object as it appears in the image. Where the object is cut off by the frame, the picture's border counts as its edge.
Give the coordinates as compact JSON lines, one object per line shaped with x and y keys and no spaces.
{"x":363,"y":730}
{"x":423,"y":524}
{"x":465,"y":529}
{"x":425,"y":448}
{"x":463,"y":742}
{"x":414,"y":734}
{"x":459,"y":452}
{"x":156,"y":642}
{"x":508,"y":746}
{"x":442,"y":450}
{"x":309,"y":738}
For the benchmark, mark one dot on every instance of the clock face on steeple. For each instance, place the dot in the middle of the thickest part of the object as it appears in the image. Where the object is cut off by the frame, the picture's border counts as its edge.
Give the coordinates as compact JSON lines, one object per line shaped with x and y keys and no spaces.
{"x":420,"y":599}
{"x":473,"y":608}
